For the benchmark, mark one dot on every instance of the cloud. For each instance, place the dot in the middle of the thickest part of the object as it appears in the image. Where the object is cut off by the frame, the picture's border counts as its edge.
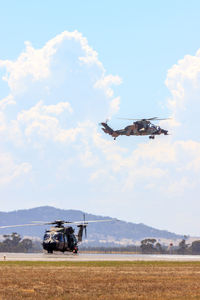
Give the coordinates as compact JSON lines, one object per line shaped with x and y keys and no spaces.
{"x":183,"y":81}
{"x":114,"y":106}
{"x":105,"y":82}
{"x":6,"y":101}
{"x":58,"y":94}
{"x":41,"y":120}
{"x":9,"y":170}
{"x":48,"y":123}
{"x":169,"y":164}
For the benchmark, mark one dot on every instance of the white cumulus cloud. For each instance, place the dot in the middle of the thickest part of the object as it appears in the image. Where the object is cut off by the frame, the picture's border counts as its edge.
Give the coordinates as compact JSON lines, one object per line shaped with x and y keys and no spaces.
{"x":48,"y":123}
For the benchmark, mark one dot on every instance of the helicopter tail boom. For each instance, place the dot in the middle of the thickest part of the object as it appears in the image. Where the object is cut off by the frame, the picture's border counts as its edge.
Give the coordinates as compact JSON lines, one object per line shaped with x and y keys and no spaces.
{"x":109,"y":130}
{"x":80,"y":232}
{"x":165,"y":132}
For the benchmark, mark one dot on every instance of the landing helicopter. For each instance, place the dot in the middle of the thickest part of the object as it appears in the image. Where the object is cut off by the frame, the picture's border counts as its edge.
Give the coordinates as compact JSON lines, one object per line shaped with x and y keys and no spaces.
{"x":140,"y":127}
{"x":59,"y":237}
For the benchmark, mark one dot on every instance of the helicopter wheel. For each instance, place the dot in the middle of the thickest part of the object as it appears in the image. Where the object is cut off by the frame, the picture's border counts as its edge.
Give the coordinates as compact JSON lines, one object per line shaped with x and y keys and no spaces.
{"x":50,"y":251}
{"x":152,"y":137}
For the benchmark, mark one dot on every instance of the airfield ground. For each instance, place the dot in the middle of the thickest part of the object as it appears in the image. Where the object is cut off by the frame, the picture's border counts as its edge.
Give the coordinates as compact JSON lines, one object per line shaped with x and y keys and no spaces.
{"x":99,"y":280}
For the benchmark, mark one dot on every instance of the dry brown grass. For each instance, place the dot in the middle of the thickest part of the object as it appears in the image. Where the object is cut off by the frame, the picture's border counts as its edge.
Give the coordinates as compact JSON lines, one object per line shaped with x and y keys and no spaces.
{"x":99,"y":281}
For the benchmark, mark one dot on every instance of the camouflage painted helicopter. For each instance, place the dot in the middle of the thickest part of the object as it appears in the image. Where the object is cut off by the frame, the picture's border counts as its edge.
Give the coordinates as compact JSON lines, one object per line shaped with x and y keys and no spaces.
{"x":59,"y":237}
{"x":139,"y":128}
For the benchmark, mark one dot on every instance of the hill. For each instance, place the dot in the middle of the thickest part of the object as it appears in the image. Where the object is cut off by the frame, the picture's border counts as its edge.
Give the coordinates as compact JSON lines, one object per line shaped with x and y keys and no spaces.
{"x":111,"y":233}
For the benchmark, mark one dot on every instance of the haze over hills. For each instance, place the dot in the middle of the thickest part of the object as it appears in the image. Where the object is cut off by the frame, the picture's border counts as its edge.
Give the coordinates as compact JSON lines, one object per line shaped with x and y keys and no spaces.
{"x":111,"y":233}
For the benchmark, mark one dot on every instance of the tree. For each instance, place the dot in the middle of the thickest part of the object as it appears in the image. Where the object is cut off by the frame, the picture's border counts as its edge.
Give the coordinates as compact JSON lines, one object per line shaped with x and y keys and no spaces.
{"x":159,"y":248}
{"x":16,"y":238}
{"x":195,"y":247}
{"x":182,"y":247}
{"x":26,"y":245}
{"x":14,"y":243}
{"x":147,"y":246}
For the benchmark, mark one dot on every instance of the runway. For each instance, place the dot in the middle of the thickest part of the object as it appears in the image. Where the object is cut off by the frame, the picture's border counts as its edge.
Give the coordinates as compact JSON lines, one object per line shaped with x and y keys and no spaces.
{"x":94,"y":257}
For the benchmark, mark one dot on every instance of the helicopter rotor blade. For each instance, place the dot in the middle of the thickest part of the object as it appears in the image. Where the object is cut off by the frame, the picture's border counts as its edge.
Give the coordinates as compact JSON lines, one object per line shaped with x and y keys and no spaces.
{"x":158,"y":119}
{"x":154,"y":118}
{"x":92,"y":221}
{"x":36,"y":223}
{"x":148,"y":119}
{"x":42,"y":222}
{"x":163,"y":119}
{"x":23,"y":225}
{"x":83,"y":222}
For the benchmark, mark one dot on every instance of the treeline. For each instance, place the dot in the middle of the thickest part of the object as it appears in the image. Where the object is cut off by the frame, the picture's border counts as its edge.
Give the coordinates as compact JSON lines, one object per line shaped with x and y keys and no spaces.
{"x":150,"y":246}
{"x":14,"y":243}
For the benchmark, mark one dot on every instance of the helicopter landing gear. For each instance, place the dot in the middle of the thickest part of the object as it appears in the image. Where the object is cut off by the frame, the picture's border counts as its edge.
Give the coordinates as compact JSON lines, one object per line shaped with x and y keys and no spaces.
{"x":50,"y":251}
{"x":75,"y":250}
{"x":152,"y":137}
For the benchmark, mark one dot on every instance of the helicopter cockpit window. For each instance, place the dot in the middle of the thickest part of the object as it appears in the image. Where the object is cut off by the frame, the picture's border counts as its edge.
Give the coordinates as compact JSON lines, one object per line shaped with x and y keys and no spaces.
{"x":58,"y":237}
{"x":153,"y":126}
{"x":46,"y":236}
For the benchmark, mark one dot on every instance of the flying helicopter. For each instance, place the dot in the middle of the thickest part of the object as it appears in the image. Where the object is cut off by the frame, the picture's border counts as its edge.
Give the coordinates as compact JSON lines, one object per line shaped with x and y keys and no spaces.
{"x":60,"y":237}
{"x":140,"y":127}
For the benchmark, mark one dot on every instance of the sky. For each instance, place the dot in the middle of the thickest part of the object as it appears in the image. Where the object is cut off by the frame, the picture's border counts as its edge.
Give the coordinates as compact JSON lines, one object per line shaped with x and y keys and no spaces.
{"x":65,"y":66}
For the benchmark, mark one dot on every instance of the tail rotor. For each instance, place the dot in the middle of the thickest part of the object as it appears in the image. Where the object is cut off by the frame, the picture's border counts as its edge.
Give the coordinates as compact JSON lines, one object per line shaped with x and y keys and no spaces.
{"x":106,"y":121}
{"x":85,"y":226}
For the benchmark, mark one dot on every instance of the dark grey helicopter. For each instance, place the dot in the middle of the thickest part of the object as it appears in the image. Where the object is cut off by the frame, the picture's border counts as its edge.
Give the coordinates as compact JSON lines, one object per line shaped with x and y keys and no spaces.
{"x":59,"y":237}
{"x":139,"y":128}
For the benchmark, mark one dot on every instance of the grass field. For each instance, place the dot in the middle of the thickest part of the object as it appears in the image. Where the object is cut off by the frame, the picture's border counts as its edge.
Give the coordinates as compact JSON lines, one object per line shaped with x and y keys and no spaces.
{"x":99,"y":280}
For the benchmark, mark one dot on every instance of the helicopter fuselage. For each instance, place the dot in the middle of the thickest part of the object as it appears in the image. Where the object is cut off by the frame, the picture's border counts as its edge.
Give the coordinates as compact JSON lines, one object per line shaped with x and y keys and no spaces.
{"x":138,"y":128}
{"x":60,"y":239}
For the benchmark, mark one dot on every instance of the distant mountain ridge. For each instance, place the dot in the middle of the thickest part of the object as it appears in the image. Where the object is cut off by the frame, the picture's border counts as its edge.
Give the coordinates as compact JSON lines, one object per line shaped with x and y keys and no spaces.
{"x":111,"y":233}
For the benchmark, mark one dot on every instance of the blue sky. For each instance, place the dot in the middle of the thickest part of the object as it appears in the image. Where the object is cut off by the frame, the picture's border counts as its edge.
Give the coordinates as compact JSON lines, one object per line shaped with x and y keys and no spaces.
{"x":138,"y":40}
{"x":138,"y":59}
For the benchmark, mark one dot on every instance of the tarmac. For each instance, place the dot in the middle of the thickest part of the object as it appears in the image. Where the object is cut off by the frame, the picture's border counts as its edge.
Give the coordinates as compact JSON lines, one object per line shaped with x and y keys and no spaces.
{"x":94,"y":257}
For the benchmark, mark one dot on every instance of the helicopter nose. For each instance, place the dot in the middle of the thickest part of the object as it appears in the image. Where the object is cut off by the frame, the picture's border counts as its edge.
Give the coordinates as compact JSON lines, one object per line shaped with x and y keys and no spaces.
{"x":49,"y":246}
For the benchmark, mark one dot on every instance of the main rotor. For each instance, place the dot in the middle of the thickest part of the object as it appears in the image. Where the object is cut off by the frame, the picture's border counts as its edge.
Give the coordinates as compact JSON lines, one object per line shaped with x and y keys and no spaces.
{"x":57,"y":223}
{"x":148,"y":119}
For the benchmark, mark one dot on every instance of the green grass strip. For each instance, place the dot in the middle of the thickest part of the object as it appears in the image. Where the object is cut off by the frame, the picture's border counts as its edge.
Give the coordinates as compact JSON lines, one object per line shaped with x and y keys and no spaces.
{"x":99,"y":263}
